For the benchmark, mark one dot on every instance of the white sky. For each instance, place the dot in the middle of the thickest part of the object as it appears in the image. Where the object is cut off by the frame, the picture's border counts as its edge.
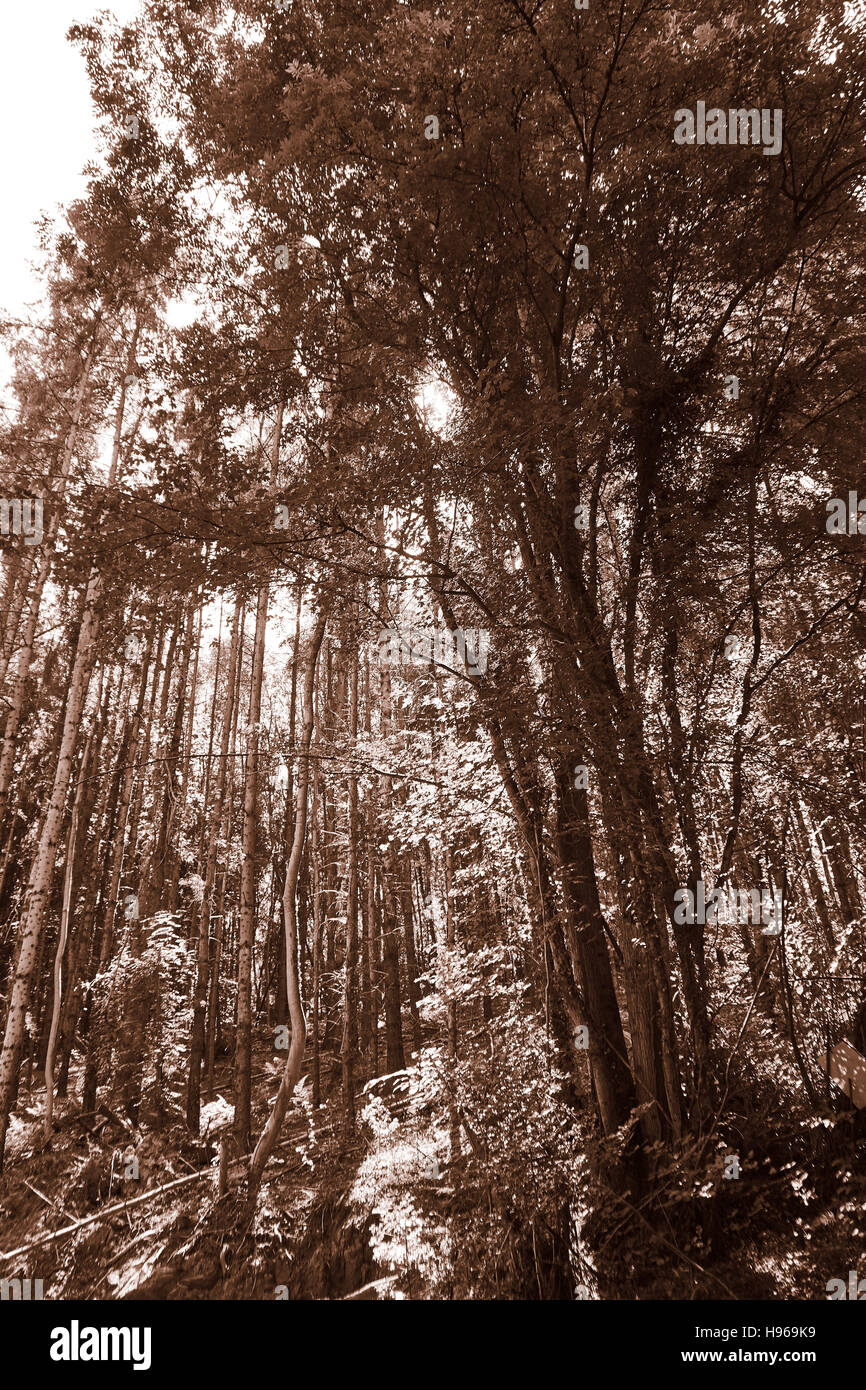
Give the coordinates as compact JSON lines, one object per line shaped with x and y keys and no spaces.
{"x":47,"y":123}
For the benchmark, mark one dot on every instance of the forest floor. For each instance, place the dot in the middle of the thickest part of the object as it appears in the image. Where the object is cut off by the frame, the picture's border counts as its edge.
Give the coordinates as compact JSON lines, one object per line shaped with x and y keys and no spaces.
{"x":794,"y":1220}
{"x":304,"y":1238}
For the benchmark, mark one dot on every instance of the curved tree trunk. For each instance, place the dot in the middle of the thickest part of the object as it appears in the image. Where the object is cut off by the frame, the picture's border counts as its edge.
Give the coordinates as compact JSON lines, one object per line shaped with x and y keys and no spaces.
{"x":294,"y":1061}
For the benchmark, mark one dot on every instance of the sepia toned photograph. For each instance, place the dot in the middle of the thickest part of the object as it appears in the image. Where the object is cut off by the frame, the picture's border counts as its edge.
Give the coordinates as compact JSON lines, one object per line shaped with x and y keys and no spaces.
{"x":432,"y":657}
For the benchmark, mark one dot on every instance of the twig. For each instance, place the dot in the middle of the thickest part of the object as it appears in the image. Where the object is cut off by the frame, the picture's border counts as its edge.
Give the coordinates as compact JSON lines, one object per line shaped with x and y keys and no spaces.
{"x":45,"y":1199}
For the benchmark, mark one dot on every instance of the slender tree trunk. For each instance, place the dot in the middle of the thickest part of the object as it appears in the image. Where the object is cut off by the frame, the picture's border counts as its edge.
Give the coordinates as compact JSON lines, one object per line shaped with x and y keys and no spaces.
{"x":247,"y":920}
{"x":451,"y":1006}
{"x":62,"y":936}
{"x":413,"y":992}
{"x":39,"y":883}
{"x":246,"y":925}
{"x":33,"y":599}
{"x":349,"y":1045}
{"x":295,"y":1059}
{"x":395,"y":1058}
{"x":220,"y":935}
{"x":203,"y":917}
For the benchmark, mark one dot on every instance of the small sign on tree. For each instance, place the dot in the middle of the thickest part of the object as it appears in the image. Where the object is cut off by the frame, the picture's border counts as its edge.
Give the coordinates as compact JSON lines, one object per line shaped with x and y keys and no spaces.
{"x":847,"y":1068}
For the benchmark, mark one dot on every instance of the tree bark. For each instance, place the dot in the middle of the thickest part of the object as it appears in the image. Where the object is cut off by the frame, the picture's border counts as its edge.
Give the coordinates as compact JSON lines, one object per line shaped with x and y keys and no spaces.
{"x":294,"y":1061}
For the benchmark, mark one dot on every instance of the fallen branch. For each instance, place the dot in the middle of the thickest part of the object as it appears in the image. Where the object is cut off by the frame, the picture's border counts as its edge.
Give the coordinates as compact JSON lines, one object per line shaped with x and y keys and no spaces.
{"x":101,"y":1215}
{"x":124,"y":1206}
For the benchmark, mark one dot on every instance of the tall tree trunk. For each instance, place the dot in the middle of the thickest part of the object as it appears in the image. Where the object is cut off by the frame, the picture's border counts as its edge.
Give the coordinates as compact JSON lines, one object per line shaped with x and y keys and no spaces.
{"x":451,"y":1006}
{"x":62,"y":936}
{"x":31,"y":596}
{"x":247,"y":920}
{"x":349,"y":1045}
{"x":395,"y":1058}
{"x":295,"y":1059}
{"x":316,"y":984}
{"x":39,"y":883}
{"x":203,"y":916}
